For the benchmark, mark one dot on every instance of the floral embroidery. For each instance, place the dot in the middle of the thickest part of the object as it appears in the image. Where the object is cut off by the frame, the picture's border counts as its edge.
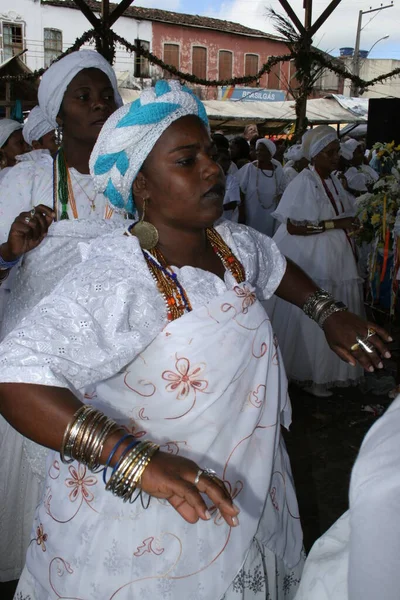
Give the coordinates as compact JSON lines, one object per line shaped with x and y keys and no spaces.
{"x":254,"y":581}
{"x":41,"y":537}
{"x":147,"y":546}
{"x":248,"y":297}
{"x":273,"y":499}
{"x":289,"y":581}
{"x":79,"y":483}
{"x":19,"y":596}
{"x":185,"y":379}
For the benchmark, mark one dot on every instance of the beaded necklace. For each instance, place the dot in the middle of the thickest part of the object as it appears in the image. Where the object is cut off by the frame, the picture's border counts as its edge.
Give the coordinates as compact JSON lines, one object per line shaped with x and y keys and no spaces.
{"x":175,"y":297}
{"x":63,"y":191}
{"x":258,"y":191}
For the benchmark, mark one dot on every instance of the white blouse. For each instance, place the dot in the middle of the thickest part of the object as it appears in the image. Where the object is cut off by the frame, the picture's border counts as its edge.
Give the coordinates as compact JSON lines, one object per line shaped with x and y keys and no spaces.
{"x":108,"y":309}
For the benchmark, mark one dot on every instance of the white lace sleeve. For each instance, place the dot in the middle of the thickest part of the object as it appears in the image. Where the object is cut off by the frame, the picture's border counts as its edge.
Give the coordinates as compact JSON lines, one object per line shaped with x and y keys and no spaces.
{"x":263,"y":262}
{"x":97,"y":320}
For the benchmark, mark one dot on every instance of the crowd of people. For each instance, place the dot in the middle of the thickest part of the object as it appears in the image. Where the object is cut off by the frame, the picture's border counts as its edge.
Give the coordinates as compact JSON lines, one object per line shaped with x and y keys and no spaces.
{"x":149,"y":325}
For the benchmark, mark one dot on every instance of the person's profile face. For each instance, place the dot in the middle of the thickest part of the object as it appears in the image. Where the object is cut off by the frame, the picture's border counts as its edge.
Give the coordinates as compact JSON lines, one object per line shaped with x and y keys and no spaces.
{"x":14,"y":146}
{"x":184,"y":183}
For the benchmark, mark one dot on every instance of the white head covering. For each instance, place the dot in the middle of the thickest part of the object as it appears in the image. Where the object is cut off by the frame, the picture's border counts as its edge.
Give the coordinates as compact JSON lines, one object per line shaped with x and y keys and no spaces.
{"x":348,"y":147}
{"x":294,"y":153}
{"x":36,"y":126}
{"x":317,"y":139}
{"x":268,"y":143}
{"x":129,"y":135}
{"x":356,"y":180}
{"x":57,"y":78}
{"x":7,"y":127}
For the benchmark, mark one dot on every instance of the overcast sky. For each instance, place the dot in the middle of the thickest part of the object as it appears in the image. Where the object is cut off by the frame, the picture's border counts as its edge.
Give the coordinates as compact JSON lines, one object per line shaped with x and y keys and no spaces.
{"x":339,"y":30}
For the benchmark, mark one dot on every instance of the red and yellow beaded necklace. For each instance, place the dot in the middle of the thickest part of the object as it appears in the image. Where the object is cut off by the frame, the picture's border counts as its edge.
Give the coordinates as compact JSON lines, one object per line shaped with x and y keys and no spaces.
{"x":176,"y":299}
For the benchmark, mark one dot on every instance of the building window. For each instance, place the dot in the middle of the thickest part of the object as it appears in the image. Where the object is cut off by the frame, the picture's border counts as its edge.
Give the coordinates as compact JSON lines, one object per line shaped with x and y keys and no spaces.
{"x":52,"y":45}
{"x":12,"y":40}
{"x":225,"y":64}
{"x":274,"y":77}
{"x":251,"y":67}
{"x":171,"y":57}
{"x":199,"y":62}
{"x":142,"y":64}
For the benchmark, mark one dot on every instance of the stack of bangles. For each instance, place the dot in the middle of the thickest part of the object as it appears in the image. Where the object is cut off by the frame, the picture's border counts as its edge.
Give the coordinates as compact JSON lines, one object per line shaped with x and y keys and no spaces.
{"x":321,"y":305}
{"x":84,"y":440}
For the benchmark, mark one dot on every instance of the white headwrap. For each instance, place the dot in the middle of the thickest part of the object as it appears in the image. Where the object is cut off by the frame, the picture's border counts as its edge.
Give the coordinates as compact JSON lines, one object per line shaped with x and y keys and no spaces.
{"x":268,"y":143}
{"x":129,"y":135}
{"x":57,"y":78}
{"x":7,"y":127}
{"x":294,"y":153}
{"x":348,"y":147}
{"x":317,"y":139}
{"x":36,"y":126}
{"x":356,"y":180}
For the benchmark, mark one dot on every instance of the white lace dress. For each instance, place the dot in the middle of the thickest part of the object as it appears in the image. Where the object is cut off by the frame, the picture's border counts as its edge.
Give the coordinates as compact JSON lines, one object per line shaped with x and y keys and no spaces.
{"x":30,"y":183}
{"x":108,"y":333}
{"x":262,"y":189}
{"x":328,"y":258}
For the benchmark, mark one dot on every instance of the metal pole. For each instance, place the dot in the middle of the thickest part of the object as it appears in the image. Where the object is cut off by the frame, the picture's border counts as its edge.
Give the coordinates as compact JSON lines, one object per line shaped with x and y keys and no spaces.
{"x":356,"y":56}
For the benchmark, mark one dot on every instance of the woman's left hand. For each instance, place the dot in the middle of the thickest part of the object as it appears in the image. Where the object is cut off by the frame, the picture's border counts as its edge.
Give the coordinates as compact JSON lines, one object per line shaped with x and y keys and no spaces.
{"x":341,"y":330}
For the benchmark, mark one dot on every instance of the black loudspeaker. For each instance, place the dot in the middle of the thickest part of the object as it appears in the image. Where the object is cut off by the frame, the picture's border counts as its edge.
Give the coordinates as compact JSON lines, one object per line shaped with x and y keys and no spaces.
{"x":383,"y":121}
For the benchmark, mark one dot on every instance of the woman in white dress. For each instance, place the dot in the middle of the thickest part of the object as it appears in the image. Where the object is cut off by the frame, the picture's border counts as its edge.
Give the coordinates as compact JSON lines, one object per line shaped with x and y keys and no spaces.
{"x":296,"y":162}
{"x":316,"y":216}
{"x":12,"y":144}
{"x":77,"y":93}
{"x":262,"y":183}
{"x":163,"y":321}
{"x":358,"y":557}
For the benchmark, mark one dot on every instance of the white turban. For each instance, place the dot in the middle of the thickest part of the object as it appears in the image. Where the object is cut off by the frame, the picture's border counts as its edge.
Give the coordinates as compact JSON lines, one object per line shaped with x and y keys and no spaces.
{"x":356,"y":180}
{"x":57,"y":78}
{"x":317,"y":139}
{"x":294,"y":153}
{"x":268,"y":143}
{"x":7,"y":127}
{"x":36,"y":126}
{"x":348,"y":148}
{"x":129,"y":135}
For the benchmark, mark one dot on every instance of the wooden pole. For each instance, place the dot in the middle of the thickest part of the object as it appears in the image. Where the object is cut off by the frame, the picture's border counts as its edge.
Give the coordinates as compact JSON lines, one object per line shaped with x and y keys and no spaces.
{"x":8,"y":99}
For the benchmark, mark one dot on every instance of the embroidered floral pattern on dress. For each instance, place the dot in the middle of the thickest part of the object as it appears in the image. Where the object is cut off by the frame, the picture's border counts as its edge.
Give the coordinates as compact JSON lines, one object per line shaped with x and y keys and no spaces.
{"x":79,"y":482}
{"x":185,"y":379}
{"x":254,"y":581}
{"x":41,"y":537}
{"x":248,"y":296}
{"x":150,"y":545}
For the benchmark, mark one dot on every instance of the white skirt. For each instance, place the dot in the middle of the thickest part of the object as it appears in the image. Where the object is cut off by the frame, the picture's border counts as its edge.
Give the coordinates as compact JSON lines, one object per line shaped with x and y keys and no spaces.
{"x":263,"y":576}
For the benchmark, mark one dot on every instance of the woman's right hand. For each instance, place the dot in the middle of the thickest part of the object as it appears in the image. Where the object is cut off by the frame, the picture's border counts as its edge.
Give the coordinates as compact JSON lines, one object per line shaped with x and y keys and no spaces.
{"x":172,"y":477}
{"x":27,"y":232}
{"x":348,"y":223}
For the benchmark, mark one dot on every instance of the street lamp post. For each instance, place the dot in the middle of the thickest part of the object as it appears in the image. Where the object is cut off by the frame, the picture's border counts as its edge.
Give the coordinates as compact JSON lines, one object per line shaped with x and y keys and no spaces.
{"x":356,"y":57}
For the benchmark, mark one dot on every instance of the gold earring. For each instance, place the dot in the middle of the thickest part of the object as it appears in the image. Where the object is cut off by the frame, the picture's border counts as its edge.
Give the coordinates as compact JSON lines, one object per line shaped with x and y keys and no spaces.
{"x":145,"y":232}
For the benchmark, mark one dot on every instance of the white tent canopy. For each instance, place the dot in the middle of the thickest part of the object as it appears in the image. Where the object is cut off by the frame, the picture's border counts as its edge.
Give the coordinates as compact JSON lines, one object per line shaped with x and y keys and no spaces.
{"x":237,"y":114}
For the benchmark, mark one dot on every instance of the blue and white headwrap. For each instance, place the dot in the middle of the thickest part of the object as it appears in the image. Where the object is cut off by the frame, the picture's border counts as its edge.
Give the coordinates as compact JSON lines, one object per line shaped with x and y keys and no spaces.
{"x":129,"y":135}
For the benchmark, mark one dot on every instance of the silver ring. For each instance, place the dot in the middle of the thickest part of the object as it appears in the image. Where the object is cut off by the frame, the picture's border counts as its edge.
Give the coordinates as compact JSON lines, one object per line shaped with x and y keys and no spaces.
{"x":197,"y":478}
{"x":366,"y":346}
{"x":33,"y":212}
{"x":27,"y":219}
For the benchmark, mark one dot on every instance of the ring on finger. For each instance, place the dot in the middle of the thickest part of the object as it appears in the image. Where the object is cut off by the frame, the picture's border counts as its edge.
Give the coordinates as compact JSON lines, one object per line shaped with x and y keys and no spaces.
{"x":366,"y":346}
{"x":199,"y":474}
{"x":355,"y":347}
{"x":370,"y":332}
{"x":27,"y":219}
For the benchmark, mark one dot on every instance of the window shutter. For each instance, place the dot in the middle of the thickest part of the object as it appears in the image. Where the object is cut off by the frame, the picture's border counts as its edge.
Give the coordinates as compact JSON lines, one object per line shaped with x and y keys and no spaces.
{"x":199,"y":62}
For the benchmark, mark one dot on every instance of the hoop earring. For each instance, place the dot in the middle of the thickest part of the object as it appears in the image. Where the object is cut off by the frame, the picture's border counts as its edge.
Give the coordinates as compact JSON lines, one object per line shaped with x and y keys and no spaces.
{"x":145,"y":232}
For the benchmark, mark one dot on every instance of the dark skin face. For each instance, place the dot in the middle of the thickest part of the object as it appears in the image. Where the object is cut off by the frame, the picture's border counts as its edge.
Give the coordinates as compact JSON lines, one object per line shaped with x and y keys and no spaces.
{"x":88,"y":102}
{"x":263,"y":157}
{"x":327,"y":160}
{"x":46,"y":142}
{"x":14,"y":146}
{"x":358,"y":157}
{"x":224,"y":160}
{"x":184,"y":190}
